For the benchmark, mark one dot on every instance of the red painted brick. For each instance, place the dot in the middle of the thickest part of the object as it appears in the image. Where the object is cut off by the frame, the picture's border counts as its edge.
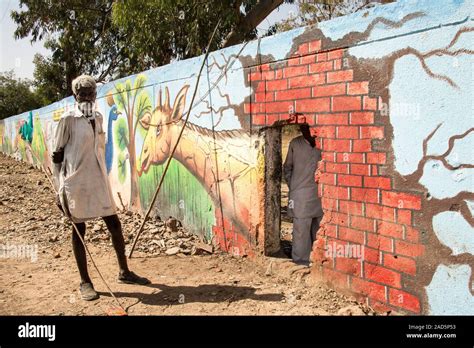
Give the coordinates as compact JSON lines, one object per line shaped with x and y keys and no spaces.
{"x":329,"y":90}
{"x":404,"y":300}
{"x":278,"y":106}
{"x":253,"y":108}
{"x":265,"y":67}
{"x":350,"y":157}
{"x":327,"y":178}
{"x":304,"y":48}
{"x":369,"y":103}
{"x":358,"y":87}
{"x":377,"y":241}
{"x":376,"y":157}
{"x":272,"y":118}
{"x":321,"y":67}
{"x":313,"y":105}
{"x":332,"y":119}
{"x":409,"y":249}
{"x":412,"y":234}
{"x":276,"y":85}
{"x":314,"y":45}
{"x":320,"y":57}
{"x":328,"y":156}
{"x":340,"y":76}
{"x":365,"y":195}
{"x":377,"y":182}
{"x":349,"y":180}
{"x":299,"y":93}
{"x":348,"y":265}
{"x":337,"y":168}
{"x":336,"y":218}
{"x":401,"y":200}
{"x":329,"y":203}
{"x":258,"y":119}
{"x":351,"y":208}
{"x":293,"y":61}
{"x":400,"y":263}
{"x":308,"y":59}
{"x":364,"y":145}
{"x":307,"y":80}
{"x":337,"y":64}
{"x":390,"y":229}
{"x":362,"y":117}
{"x":360,"y":169}
{"x":324,"y":132}
{"x":348,"y":132}
{"x":363,"y":223}
{"x":337,"y":145}
{"x":374,"y":170}
{"x":380,"y":307}
{"x":263,"y":97}
{"x":335,"y":192}
{"x":382,"y":275}
{"x":268,"y":75}
{"x":345,"y":103}
{"x":370,"y":289}
{"x":278,"y":73}
{"x":255,"y":76}
{"x":295,"y":71}
{"x":404,"y":217}
{"x":330,"y":230}
{"x":371,"y":255}
{"x":372,"y":132}
{"x":335,"y":54}
{"x":380,"y":212}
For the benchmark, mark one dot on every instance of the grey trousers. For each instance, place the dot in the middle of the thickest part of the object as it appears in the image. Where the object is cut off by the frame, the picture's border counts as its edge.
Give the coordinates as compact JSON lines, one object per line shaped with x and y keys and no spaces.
{"x":304,"y":234}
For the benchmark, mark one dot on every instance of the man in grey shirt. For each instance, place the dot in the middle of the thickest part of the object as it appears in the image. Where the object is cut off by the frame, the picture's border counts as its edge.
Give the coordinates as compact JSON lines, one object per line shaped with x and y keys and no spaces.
{"x":304,"y":205}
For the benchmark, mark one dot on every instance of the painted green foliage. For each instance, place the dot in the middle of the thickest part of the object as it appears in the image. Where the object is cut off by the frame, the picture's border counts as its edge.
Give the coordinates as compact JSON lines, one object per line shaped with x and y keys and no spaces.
{"x":185,"y":197}
{"x":38,"y":144}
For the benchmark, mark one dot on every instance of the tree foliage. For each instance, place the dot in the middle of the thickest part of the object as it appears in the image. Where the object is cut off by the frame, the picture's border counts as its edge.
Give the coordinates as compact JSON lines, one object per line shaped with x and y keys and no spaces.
{"x":165,"y":30}
{"x":16,"y":95}
{"x":78,"y":32}
{"x":312,"y":12}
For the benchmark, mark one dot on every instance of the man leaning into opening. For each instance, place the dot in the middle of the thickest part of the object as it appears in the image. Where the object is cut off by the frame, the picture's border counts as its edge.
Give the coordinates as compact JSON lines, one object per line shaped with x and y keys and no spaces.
{"x":304,"y":205}
{"x":80,"y":174}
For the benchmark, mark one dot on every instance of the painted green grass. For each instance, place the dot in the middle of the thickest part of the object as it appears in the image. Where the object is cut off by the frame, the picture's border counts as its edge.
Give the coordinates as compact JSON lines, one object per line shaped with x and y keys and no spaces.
{"x":185,"y":197}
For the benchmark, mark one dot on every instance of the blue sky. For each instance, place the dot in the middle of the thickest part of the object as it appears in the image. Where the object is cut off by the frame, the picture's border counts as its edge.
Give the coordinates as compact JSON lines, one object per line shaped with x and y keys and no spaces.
{"x":17,"y":55}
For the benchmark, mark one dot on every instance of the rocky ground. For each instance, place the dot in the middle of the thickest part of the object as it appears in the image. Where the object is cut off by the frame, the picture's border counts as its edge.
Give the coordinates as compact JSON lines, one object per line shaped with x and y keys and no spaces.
{"x":38,"y":273}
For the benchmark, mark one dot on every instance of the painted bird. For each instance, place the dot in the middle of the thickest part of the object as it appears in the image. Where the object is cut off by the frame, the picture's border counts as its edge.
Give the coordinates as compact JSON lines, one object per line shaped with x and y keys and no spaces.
{"x":109,"y":145}
{"x":26,"y":129}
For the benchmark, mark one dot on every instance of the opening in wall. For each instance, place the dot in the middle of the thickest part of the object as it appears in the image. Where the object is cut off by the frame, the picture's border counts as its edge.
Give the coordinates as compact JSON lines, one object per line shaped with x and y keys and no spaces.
{"x":278,"y":225}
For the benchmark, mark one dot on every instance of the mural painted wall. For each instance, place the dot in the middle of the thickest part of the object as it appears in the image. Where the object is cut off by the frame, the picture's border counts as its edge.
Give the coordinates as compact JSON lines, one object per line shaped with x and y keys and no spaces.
{"x":388,"y":92}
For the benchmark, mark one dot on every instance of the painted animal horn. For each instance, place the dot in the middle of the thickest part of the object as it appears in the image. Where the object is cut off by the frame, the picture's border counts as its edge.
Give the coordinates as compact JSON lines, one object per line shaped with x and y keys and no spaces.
{"x":160,"y":105}
{"x":167,"y":99}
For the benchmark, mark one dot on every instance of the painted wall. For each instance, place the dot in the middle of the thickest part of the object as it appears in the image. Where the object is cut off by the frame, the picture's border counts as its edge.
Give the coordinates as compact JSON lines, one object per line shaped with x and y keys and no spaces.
{"x":388,"y":91}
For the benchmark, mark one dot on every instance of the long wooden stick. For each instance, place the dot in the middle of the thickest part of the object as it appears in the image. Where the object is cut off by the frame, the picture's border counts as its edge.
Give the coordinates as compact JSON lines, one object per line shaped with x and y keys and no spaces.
{"x":150,"y":207}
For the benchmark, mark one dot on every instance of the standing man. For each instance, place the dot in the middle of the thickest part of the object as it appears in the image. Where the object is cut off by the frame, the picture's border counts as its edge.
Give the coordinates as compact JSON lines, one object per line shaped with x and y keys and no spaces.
{"x":304,"y":205}
{"x":80,"y":175}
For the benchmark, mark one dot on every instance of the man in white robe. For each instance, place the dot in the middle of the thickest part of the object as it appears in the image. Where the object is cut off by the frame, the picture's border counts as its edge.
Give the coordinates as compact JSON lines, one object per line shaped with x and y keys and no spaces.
{"x":80,"y":175}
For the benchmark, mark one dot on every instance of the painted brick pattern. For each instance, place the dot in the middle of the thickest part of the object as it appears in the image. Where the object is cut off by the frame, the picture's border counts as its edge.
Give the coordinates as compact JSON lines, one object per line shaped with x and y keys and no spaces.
{"x":361,"y":206}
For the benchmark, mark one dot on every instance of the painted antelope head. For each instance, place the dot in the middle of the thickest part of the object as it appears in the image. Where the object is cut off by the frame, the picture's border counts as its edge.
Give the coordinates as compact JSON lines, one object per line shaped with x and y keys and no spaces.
{"x":161,"y":126}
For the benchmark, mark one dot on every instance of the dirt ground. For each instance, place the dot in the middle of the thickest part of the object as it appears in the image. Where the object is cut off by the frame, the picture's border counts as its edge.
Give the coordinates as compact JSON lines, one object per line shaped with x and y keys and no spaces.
{"x":182,"y":284}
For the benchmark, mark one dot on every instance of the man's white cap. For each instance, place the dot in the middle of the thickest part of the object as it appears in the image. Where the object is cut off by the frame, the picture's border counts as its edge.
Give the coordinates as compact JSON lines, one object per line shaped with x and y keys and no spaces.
{"x":83,"y":81}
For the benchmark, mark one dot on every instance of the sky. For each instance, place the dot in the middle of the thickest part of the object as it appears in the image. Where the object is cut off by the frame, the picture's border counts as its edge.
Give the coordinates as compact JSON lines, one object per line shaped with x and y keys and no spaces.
{"x":17,"y":55}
